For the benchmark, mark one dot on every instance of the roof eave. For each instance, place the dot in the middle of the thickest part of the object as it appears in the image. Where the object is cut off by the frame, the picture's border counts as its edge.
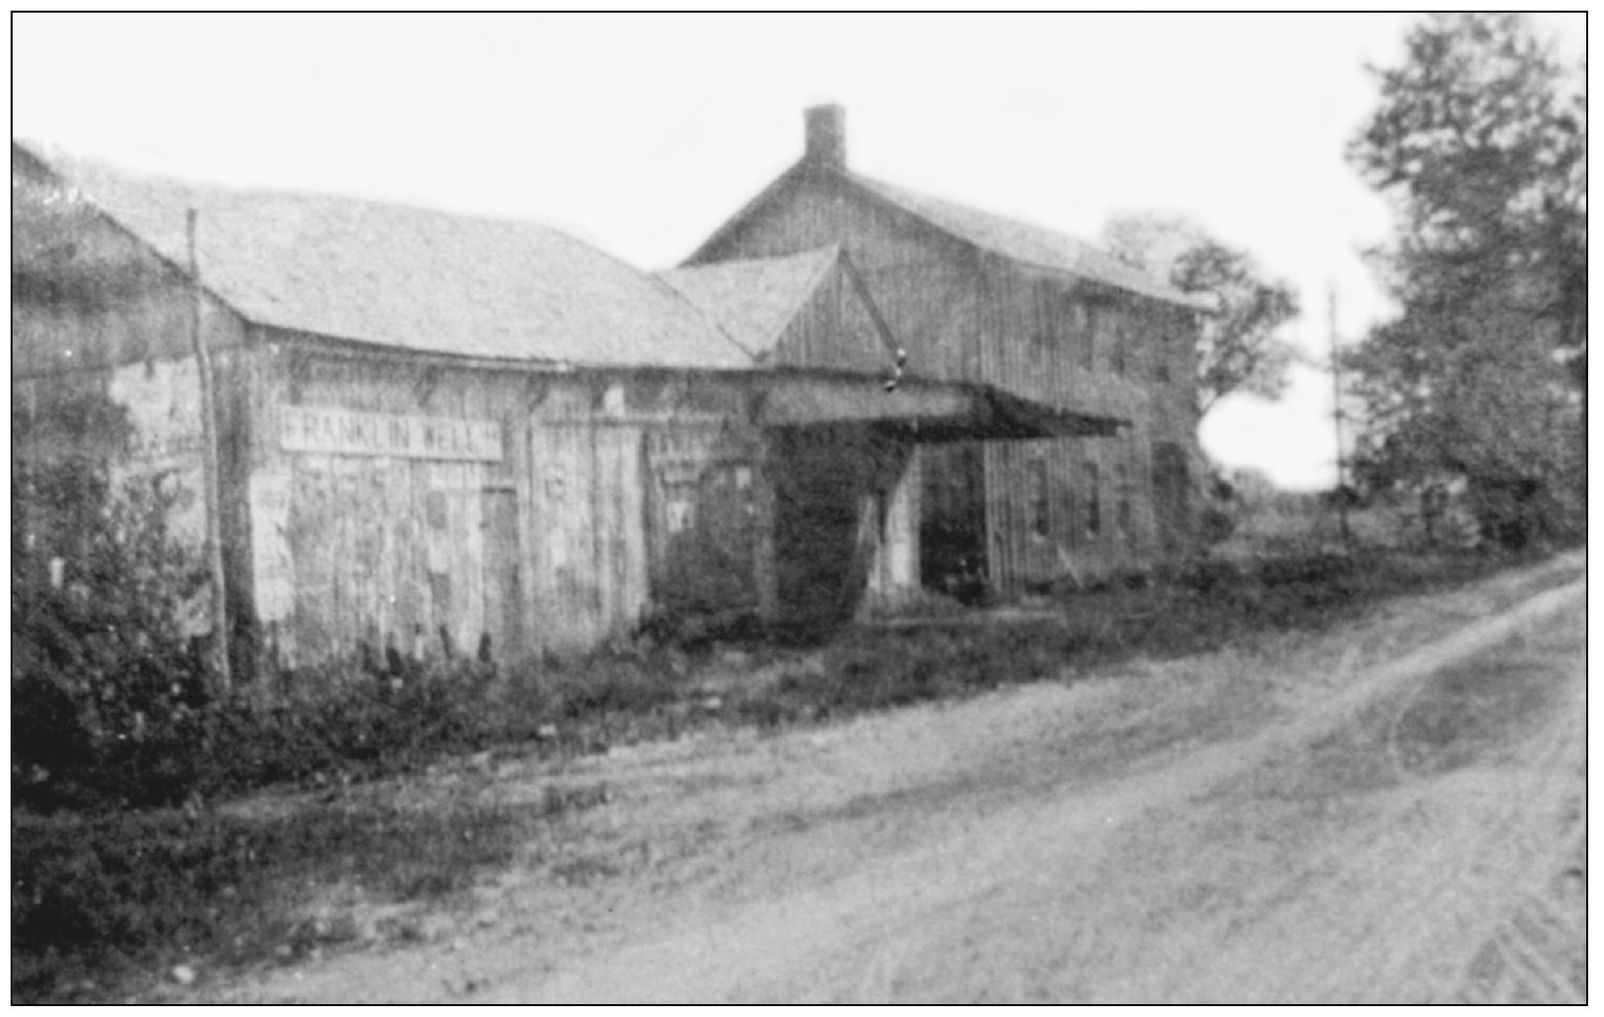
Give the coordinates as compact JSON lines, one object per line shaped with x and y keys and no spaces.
{"x":884,"y":201}
{"x":921,"y":410}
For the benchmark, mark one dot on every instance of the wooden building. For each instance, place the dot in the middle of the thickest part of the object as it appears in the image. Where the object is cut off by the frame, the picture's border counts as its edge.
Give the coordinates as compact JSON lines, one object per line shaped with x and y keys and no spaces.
{"x":981,"y":298}
{"x":439,"y":433}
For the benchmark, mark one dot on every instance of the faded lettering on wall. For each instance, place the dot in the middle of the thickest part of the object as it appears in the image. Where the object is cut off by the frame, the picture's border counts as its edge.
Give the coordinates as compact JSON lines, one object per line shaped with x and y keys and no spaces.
{"x":348,"y":432}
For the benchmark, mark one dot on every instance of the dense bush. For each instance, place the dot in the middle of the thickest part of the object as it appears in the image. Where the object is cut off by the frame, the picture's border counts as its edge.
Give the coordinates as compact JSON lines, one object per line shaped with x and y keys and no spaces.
{"x":107,"y":690}
{"x":347,"y":723}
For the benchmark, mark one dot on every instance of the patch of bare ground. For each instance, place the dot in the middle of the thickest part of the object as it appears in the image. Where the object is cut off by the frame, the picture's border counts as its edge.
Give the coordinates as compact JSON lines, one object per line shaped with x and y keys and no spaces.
{"x":1271,"y":822}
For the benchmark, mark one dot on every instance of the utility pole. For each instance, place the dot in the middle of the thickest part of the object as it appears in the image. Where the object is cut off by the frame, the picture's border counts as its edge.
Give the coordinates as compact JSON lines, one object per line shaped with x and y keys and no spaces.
{"x":209,"y":472}
{"x":1336,"y":417}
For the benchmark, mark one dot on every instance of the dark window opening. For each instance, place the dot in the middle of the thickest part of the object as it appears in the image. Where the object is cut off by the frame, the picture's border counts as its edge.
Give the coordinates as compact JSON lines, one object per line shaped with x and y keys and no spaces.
{"x":1091,"y":321}
{"x":1123,"y":516}
{"x":1038,"y":344}
{"x":1037,"y":488}
{"x":1091,"y":500}
{"x":1171,"y":491}
{"x":1049,"y":321}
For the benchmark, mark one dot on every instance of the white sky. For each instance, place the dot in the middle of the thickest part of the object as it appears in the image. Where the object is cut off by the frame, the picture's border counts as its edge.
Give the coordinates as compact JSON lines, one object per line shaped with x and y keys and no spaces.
{"x":642,"y":133}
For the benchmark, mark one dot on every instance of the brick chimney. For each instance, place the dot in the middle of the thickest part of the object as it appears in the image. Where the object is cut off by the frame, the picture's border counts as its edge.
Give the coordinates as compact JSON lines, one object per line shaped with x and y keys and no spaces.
{"x":826,"y":137}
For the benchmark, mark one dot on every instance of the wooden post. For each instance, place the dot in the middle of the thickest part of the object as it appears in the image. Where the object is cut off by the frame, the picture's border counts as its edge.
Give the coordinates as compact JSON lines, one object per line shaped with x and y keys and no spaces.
{"x":214,"y":534}
{"x":1336,"y":417}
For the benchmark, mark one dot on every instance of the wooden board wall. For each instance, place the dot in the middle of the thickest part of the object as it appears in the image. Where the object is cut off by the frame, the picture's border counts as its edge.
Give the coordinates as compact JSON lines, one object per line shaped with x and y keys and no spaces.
{"x":381,"y":550}
{"x":567,"y":540}
{"x":834,"y":329}
{"x":923,"y":282}
{"x":588,"y":507}
{"x":966,"y":315}
{"x":1118,"y":357}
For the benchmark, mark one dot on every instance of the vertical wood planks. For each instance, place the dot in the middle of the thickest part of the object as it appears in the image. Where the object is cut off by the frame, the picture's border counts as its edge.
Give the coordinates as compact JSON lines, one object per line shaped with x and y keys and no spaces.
{"x":589,"y":510}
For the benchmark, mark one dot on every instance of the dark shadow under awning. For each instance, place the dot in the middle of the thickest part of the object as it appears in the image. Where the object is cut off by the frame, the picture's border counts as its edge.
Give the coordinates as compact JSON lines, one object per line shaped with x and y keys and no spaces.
{"x":923,"y":411}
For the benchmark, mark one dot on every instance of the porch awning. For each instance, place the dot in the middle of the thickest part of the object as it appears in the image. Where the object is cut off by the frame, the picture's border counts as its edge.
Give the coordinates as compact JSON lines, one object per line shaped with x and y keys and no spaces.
{"x":922,"y":410}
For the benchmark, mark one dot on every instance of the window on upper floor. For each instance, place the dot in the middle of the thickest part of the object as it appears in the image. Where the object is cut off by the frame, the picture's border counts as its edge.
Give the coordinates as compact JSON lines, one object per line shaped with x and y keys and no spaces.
{"x":1163,"y":349}
{"x":1093,"y":320}
{"x":1036,"y":489}
{"x":1037,"y":347}
{"x":1119,"y":354}
{"x":1172,"y":487}
{"x":1047,"y":324}
{"x":1123,"y":514}
{"x":1091,"y":499}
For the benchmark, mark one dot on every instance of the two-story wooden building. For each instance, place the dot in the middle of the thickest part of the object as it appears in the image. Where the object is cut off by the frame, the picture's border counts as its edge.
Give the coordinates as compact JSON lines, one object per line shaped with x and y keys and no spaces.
{"x":981,"y":298}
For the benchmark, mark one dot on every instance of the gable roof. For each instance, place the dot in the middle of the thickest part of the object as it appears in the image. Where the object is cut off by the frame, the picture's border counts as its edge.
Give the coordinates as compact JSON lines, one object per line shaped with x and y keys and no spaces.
{"x":1026,"y":243}
{"x":754,"y":299}
{"x":409,"y":278}
{"x":1001,"y":235}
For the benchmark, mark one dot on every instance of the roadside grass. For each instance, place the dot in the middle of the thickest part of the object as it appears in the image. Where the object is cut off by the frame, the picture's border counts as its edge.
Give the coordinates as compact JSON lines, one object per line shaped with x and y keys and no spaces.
{"x":101,"y":899}
{"x":98,"y":902}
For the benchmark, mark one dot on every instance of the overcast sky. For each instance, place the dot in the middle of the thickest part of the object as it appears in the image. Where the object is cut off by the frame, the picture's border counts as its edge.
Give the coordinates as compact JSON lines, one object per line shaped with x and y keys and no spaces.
{"x":642,"y":134}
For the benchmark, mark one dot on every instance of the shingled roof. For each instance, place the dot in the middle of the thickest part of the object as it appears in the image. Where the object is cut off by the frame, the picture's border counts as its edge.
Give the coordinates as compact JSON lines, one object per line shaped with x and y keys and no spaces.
{"x":411,"y":278}
{"x":754,"y":299}
{"x":1026,"y":243}
{"x":1001,"y":235}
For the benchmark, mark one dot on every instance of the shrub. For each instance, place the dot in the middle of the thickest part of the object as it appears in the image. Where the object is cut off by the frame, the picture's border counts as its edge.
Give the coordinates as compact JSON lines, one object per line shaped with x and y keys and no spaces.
{"x":876,"y":670}
{"x":609,"y":683}
{"x":107,"y":691}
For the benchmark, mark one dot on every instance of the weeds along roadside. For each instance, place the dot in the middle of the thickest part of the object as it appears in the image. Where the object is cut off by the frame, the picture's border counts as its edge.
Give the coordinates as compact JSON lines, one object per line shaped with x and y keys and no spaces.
{"x":101,"y":886}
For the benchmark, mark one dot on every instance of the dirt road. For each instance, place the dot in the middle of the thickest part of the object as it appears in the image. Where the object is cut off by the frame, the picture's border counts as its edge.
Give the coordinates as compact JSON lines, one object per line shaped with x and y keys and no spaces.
{"x":1389,"y":813}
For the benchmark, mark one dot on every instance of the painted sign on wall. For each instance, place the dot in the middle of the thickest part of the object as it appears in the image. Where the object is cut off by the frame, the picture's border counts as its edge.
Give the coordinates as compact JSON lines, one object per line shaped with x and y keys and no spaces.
{"x":349,"y":432}
{"x":163,"y":403}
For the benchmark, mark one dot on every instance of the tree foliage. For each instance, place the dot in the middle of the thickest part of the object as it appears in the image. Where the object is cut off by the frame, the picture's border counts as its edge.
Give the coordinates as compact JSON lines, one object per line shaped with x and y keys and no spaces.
{"x":1479,"y":141}
{"x":1239,"y":349}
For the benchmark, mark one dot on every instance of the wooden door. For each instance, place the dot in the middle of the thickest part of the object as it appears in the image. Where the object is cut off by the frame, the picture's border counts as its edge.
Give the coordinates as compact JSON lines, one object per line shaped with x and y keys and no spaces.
{"x":589,"y":524}
{"x":820,"y":487}
{"x":703,"y":520}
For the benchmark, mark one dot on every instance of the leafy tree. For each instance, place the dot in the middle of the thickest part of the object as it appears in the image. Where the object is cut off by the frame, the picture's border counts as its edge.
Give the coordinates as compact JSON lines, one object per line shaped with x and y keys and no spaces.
{"x":1480,"y":142}
{"x":1238,"y":347}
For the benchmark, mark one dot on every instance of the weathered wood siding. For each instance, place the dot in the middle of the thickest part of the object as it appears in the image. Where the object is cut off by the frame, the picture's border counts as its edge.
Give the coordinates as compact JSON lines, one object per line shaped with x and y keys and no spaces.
{"x":589,"y":511}
{"x":352,"y":548}
{"x":834,"y":330}
{"x":924,"y":283}
{"x":615,"y":495}
{"x":545,"y":547}
{"x":966,"y":315}
{"x":1067,"y":343}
